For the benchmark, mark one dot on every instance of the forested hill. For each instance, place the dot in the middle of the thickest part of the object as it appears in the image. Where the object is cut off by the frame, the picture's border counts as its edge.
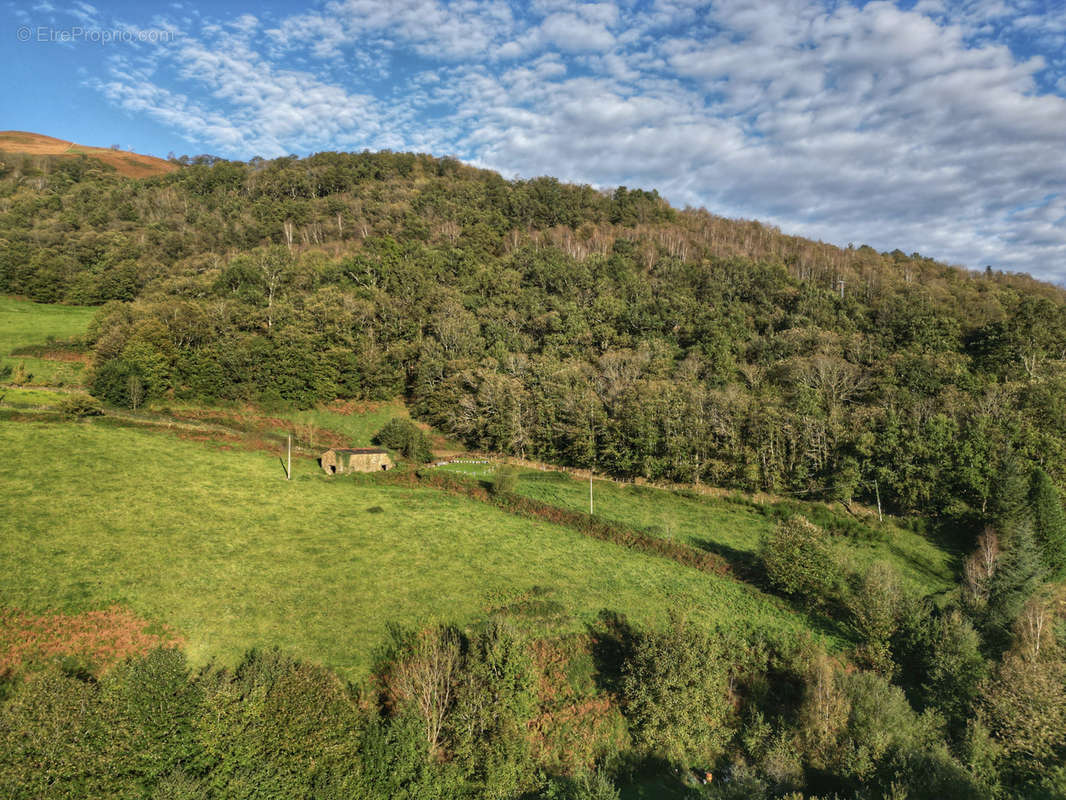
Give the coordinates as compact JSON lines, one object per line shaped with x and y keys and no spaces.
{"x":603,"y":330}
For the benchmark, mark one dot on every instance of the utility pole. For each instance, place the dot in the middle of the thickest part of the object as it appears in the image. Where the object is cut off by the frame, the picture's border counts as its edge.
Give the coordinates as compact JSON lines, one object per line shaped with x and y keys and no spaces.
{"x":590,"y":494}
{"x":288,"y":470}
{"x":877,"y":491}
{"x":841,"y":284}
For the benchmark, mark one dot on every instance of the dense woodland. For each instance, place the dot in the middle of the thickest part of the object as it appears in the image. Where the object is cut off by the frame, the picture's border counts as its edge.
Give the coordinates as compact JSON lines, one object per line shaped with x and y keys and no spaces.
{"x":603,"y":330}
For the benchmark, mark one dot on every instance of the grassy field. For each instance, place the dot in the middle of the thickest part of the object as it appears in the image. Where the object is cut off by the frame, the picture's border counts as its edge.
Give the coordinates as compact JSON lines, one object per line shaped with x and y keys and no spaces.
{"x":22,"y":397}
{"x":215,"y":544}
{"x":24,"y":324}
{"x":733,"y":530}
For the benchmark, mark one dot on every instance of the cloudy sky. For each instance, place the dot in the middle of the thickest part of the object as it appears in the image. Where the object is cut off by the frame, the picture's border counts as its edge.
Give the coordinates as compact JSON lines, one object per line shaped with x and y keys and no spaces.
{"x":937,"y":125}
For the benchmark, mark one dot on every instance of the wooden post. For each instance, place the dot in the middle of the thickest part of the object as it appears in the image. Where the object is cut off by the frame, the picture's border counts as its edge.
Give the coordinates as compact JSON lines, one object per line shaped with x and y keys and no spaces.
{"x":288,"y":470}
{"x":590,"y":494}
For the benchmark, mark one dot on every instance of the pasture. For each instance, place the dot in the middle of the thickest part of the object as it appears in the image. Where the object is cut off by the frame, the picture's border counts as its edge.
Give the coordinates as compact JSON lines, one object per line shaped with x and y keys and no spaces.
{"x":733,"y":529}
{"x":26,"y":324}
{"x":216,"y":545}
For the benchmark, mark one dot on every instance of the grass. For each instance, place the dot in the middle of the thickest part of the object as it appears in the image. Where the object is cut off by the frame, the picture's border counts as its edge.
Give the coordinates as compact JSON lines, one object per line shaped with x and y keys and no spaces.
{"x":733,"y":530}
{"x":23,"y":397}
{"x":479,"y":472}
{"x":217,"y":546}
{"x":25,"y":324}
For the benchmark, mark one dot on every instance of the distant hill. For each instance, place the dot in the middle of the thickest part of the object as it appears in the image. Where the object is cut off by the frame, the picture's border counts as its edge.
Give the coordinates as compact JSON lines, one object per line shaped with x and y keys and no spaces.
{"x":570,"y":325}
{"x":132,"y":165}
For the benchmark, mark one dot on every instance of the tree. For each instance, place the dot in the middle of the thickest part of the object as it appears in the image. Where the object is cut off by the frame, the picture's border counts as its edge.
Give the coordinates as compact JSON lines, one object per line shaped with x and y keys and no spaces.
{"x":427,"y":676}
{"x":954,"y":669}
{"x":134,"y":390}
{"x":674,"y":688}
{"x":874,"y":605}
{"x":979,"y":568}
{"x":1025,"y":708}
{"x":1049,"y":521}
{"x":111,"y":381}
{"x":274,"y":265}
{"x":1018,"y":574}
{"x":798,"y":562}
{"x":403,"y":435}
{"x":1009,"y":506}
{"x":506,"y":480}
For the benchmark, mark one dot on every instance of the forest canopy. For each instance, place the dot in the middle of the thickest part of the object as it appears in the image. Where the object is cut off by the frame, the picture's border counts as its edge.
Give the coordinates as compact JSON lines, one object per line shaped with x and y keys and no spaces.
{"x":599,"y":329}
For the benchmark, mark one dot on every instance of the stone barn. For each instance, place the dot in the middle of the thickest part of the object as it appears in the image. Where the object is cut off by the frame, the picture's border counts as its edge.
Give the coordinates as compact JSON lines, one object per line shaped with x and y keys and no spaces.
{"x":362,"y":459}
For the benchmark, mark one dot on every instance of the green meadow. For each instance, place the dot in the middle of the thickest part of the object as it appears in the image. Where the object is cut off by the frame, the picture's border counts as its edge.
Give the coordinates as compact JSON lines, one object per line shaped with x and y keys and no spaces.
{"x":26,"y":324}
{"x":214,"y":543}
{"x":217,"y":545}
{"x":732,"y":529}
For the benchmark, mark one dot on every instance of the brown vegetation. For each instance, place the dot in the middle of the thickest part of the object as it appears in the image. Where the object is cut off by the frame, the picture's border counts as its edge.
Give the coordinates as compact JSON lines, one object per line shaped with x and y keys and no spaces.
{"x":575,"y":725}
{"x":100,"y":638}
{"x":132,"y":165}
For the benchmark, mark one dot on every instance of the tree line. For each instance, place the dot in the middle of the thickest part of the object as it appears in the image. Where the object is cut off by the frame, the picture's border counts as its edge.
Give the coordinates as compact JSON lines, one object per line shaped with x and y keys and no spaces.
{"x":603,"y":330}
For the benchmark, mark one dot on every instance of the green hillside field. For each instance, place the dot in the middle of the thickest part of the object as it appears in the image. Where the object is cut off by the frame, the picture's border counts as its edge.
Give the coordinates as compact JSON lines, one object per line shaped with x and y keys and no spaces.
{"x":735,"y":529}
{"x":218,"y":546}
{"x":215,"y":544}
{"x":26,"y":324}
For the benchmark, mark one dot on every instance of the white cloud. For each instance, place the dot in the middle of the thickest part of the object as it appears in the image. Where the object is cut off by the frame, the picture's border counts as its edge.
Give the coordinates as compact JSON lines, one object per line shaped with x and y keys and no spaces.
{"x":925,"y":129}
{"x":574,"y":34}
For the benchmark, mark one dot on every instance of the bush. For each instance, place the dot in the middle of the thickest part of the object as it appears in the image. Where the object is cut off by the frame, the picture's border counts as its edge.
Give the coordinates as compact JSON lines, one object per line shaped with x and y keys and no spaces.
{"x":118,"y":383}
{"x":506,"y":480}
{"x":79,"y":406}
{"x":675,"y":688}
{"x":874,"y":606}
{"x":799,"y":564}
{"x":405,"y":437}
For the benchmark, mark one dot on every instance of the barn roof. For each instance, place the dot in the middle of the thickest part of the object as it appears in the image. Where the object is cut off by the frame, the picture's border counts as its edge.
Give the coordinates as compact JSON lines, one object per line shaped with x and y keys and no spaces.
{"x":360,"y":451}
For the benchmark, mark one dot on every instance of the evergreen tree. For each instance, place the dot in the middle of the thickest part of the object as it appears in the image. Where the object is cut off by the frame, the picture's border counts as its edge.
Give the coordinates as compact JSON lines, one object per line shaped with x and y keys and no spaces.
{"x":1018,"y":574}
{"x":1049,"y":521}
{"x":1009,"y":506}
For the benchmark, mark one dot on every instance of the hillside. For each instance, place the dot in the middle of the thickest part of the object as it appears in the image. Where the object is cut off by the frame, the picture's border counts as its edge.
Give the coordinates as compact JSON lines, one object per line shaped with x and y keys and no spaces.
{"x":130,"y":165}
{"x":600,"y":330}
{"x":502,"y":641}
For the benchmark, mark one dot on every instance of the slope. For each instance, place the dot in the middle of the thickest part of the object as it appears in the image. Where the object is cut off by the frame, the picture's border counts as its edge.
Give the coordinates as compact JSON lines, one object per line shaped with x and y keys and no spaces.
{"x":131,"y":165}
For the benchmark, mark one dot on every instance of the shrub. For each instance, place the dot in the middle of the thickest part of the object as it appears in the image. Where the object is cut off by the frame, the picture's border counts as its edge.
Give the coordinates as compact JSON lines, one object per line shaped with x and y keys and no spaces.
{"x":20,"y":376}
{"x":799,"y":564}
{"x":675,"y":688}
{"x":874,"y":605}
{"x":79,"y":406}
{"x":506,"y":480}
{"x":405,"y":437}
{"x":113,"y":380}
{"x":861,"y":732}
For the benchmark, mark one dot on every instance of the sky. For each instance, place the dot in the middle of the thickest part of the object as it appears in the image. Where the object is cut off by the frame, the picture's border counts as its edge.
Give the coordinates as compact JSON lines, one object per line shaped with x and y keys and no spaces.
{"x":936,"y":126}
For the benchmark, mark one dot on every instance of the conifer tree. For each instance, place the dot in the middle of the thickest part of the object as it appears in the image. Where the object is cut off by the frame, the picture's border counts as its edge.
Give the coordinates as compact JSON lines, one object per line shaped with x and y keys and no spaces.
{"x":1018,"y":575}
{"x":1049,"y":521}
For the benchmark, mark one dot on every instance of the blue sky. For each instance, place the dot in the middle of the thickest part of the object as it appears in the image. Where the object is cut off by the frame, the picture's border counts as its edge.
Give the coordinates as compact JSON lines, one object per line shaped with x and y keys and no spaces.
{"x":937,"y":125}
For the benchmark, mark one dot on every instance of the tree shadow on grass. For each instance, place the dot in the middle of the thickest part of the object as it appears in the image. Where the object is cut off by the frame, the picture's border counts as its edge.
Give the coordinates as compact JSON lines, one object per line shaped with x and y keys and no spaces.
{"x":829,"y":620}
{"x":744,"y":563}
{"x":614,"y":641}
